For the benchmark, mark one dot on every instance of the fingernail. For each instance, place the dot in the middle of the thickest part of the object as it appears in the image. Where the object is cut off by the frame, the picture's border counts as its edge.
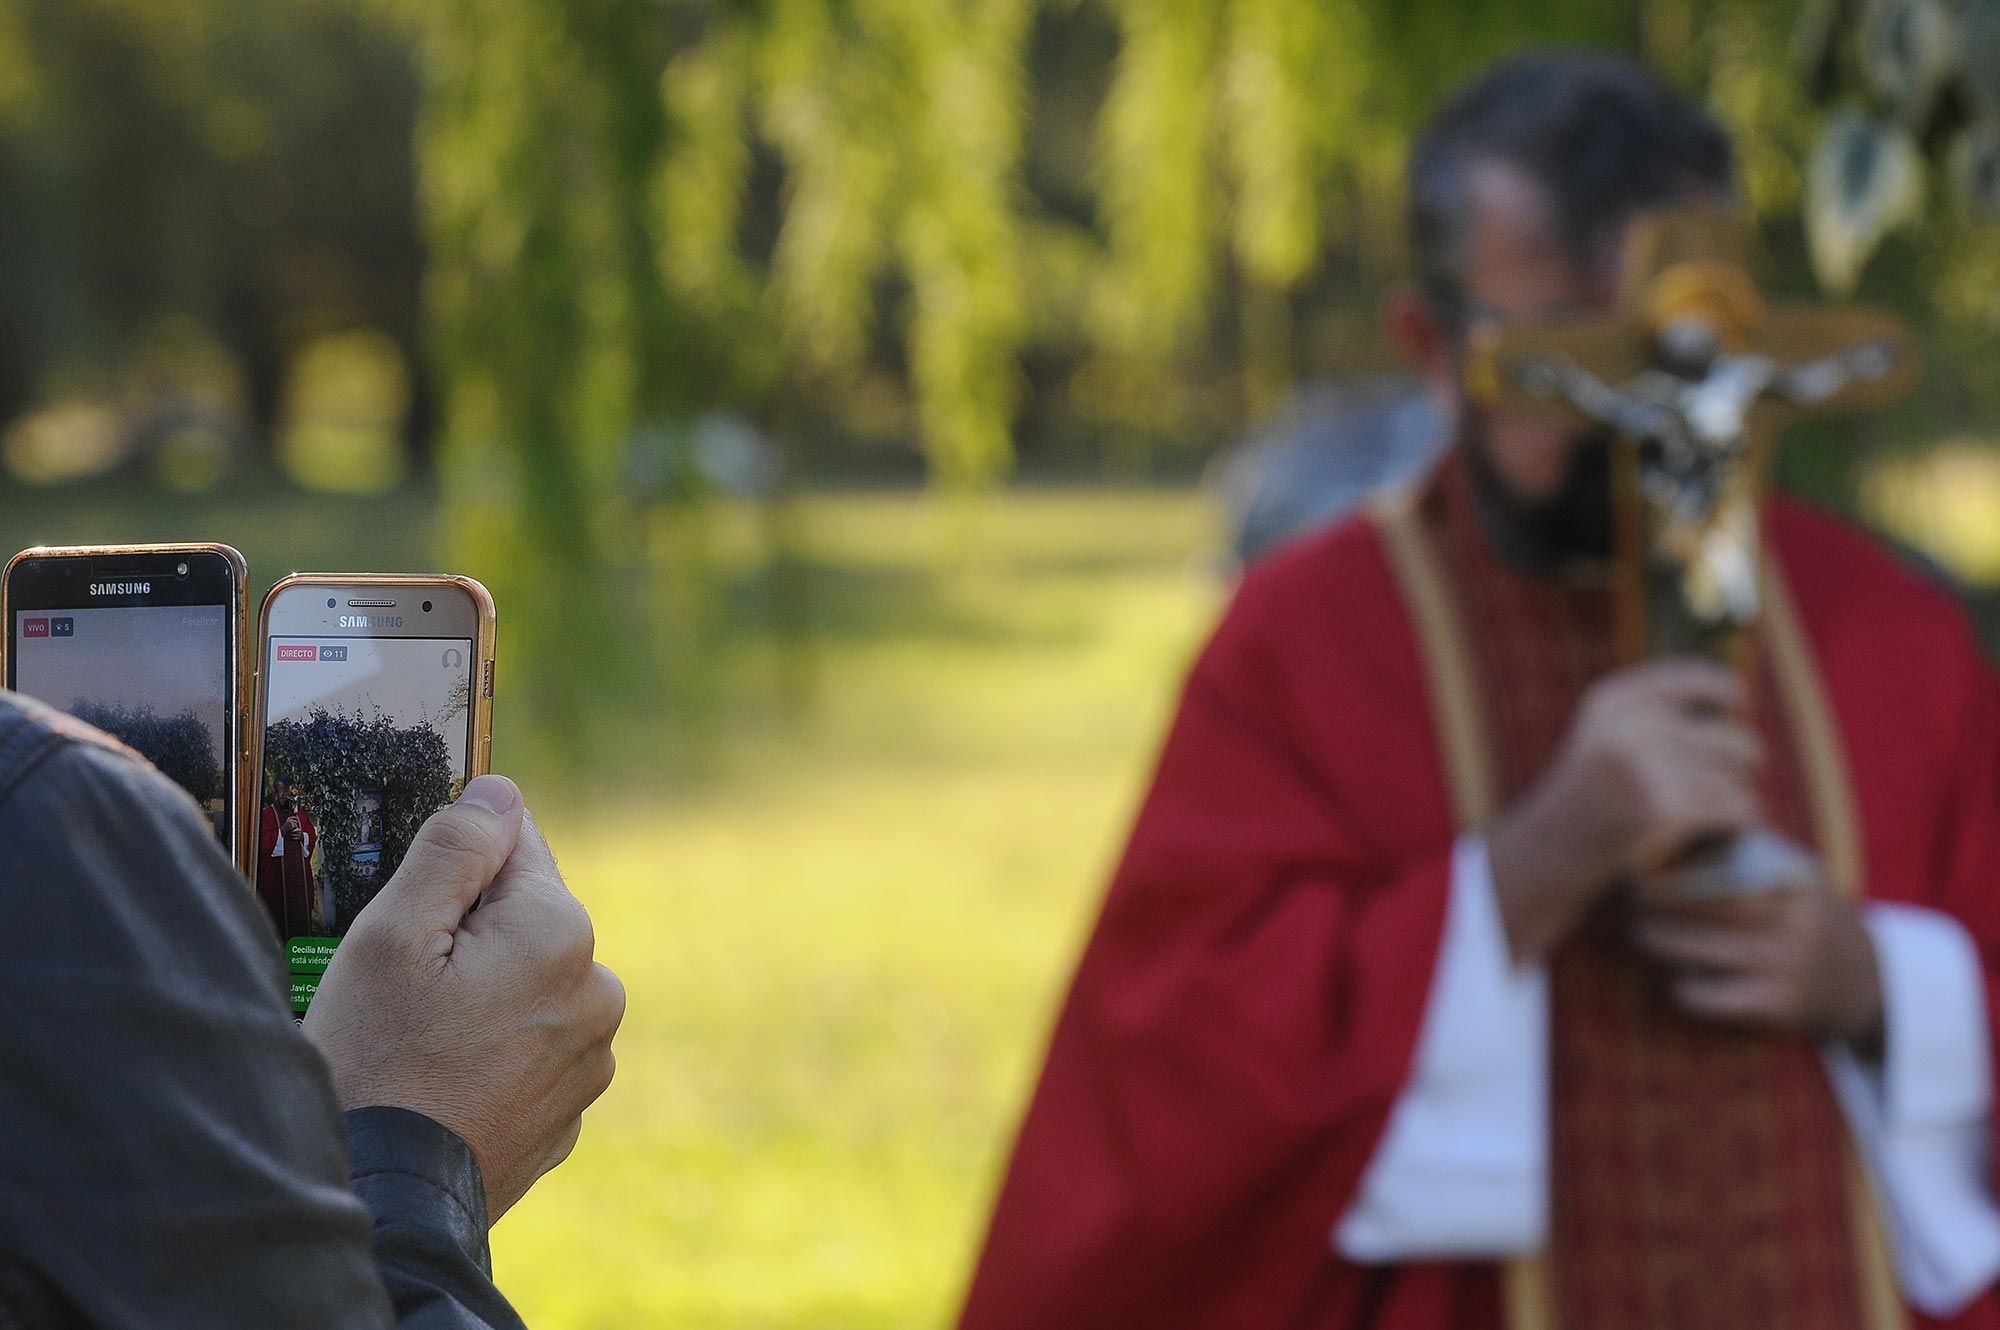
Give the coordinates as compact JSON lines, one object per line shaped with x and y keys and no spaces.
{"x":494,"y":793}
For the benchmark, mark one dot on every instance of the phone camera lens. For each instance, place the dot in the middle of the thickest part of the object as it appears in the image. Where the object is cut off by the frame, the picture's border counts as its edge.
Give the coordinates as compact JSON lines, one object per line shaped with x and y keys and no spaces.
{"x":427,"y":607}
{"x":331,"y":602}
{"x":180,"y":570}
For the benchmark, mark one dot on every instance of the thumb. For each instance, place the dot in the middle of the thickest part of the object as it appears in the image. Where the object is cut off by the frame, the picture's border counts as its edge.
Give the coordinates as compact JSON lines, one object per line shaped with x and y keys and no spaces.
{"x":455,"y":856}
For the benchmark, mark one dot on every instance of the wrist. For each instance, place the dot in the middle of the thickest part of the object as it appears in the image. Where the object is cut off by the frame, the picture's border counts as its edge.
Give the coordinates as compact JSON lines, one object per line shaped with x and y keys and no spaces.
{"x":1862,"y":1030}
{"x":1856,"y":1010}
{"x":412,"y":1170}
{"x":1549,"y":863}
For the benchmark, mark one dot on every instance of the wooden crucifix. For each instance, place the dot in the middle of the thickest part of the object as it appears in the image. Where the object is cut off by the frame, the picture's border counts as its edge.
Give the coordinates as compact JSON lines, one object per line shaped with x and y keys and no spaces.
{"x":1692,"y":377}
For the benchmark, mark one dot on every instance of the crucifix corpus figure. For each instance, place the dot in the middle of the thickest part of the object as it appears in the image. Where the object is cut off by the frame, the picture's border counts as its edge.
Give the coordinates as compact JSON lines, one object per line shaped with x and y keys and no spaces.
{"x":1691,"y":381}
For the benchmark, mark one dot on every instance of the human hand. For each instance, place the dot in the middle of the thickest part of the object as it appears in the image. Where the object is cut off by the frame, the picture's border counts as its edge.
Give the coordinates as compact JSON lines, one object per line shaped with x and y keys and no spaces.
{"x":1658,"y":757}
{"x":1798,"y":959}
{"x":293,"y":828}
{"x":494,"y":1022}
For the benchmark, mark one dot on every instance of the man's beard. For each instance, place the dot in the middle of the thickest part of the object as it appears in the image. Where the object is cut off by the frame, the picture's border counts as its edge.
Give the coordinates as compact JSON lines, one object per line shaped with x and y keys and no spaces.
{"x":1543,"y":535}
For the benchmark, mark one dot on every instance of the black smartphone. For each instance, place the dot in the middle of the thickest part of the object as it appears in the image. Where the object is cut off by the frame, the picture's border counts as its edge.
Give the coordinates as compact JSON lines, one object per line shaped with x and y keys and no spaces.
{"x":146,"y":642}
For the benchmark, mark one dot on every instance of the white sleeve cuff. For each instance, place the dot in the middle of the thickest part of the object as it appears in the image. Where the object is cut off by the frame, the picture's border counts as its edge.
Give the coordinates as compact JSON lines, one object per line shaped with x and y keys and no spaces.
{"x":1922,"y":1119}
{"x":1462,"y":1170}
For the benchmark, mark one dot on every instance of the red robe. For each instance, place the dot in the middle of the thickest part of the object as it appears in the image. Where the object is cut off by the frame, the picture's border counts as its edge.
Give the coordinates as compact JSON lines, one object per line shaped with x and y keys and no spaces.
{"x":1245,"y":1014}
{"x":285,"y":881}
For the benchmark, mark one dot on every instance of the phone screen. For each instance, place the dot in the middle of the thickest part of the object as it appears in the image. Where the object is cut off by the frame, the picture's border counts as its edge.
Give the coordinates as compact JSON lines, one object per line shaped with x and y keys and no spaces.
{"x":142,"y":647}
{"x":364,"y":738}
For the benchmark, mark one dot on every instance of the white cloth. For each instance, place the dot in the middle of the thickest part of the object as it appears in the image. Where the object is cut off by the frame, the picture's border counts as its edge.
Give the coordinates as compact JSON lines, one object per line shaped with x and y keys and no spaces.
{"x":1922,"y":1119}
{"x":1462,"y":1169}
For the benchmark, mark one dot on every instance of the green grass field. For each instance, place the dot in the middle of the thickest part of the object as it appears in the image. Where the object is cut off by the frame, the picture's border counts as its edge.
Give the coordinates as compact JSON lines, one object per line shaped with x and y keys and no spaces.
{"x":842,"y":954}
{"x":842,"y":944}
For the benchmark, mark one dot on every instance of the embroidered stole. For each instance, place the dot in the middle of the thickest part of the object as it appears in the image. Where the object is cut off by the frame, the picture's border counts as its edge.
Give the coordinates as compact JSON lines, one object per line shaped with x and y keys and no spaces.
{"x":1701,"y":1177}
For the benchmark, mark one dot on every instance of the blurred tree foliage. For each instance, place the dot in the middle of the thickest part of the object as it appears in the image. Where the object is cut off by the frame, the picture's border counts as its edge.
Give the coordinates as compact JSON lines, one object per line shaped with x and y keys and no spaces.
{"x":748,"y":204}
{"x":178,"y":175}
{"x":982,"y":226}
{"x":1147,"y":219}
{"x":180,"y":744}
{"x":1047,"y":228}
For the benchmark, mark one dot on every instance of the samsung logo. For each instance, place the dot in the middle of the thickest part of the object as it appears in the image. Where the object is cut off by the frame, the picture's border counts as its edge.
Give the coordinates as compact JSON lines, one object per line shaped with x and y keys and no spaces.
{"x":121,"y":588}
{"x":371,"y":621}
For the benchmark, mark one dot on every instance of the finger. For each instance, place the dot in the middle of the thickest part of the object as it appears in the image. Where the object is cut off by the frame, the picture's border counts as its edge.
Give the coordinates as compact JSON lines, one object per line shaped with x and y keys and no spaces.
{"x":1691,"y":684}
{"x":1695,"y":822}
{"x":1719,"y":810}
{"x":1724,"y":741}
{"x":1732,"y":999}
{"x":530,"y":869}
{"x":599,"y":1070}
{"x":1682,"y":760}
{"x":530,"y":911}
{"x":1697,"y":777}
{"x":1685,"y":944}
{"x":456,"y":855}
{"x":585,"y":1081}
{"x":605,"y":996}
{"x":1761,"y":914}
{"x":1719,"y":746}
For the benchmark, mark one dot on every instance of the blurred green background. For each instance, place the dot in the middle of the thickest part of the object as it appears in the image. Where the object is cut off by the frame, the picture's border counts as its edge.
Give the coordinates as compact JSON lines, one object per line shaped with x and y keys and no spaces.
{"x":823,"y":387}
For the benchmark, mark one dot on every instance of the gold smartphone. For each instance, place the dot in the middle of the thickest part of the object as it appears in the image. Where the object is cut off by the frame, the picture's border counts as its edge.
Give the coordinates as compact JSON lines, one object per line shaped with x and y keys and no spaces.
{"x":148,"y":643}
{"x":374,"y":708}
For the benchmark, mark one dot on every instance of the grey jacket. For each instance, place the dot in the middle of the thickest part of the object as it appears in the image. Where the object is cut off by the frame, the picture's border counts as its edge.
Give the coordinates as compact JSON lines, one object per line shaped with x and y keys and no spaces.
{"x":171,"y":1152}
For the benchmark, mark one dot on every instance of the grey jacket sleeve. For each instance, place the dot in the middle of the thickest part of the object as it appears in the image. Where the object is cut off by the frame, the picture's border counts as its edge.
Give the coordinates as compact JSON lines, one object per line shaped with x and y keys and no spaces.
{"x":429,"y":1203}
{"x":171,"y":1152}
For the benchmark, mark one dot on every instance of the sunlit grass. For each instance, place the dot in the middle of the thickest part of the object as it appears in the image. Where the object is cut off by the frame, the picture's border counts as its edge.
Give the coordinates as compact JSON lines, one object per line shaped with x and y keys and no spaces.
{"x":841,"y":960}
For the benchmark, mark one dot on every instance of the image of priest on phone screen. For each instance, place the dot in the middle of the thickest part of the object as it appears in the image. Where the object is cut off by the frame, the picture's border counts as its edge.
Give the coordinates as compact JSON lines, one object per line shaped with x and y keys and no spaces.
{"x":286,"y":840}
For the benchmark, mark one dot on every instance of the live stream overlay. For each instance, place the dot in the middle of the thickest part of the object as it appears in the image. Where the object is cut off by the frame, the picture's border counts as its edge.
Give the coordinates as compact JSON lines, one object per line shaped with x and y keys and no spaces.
{"x":156,"y":676}
{"x":325,"y":690}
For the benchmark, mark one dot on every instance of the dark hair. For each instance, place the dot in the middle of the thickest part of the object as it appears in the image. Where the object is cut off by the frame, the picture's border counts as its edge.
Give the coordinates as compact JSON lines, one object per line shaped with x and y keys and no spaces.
{"x":1604,"y":136}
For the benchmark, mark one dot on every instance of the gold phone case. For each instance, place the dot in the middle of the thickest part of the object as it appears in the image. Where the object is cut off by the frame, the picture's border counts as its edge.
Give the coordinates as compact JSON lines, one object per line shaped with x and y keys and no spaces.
{"x":239,"y":643}
{"x":479,"y":757}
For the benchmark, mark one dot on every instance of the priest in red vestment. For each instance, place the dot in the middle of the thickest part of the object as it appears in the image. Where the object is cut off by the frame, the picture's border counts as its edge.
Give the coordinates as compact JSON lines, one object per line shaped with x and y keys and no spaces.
{"x":286,"y":838}
{"x":1368,"y":1033}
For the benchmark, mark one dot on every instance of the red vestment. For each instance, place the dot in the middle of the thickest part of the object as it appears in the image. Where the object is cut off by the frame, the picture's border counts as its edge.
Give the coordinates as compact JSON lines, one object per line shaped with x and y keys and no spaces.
{"x":1244,"y":1016}
{"x":285,"y":879}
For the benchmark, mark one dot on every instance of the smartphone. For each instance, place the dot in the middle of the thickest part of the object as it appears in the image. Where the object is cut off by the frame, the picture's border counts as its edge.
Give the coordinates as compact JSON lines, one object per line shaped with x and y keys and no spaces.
{"x":146,"y":642}
{"x":374,"y":708}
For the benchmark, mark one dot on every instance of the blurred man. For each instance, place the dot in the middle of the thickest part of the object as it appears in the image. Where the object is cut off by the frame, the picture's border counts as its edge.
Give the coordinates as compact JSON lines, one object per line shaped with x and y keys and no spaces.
{"x":173,"y":1151}
{"x":1343,"y":1053}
